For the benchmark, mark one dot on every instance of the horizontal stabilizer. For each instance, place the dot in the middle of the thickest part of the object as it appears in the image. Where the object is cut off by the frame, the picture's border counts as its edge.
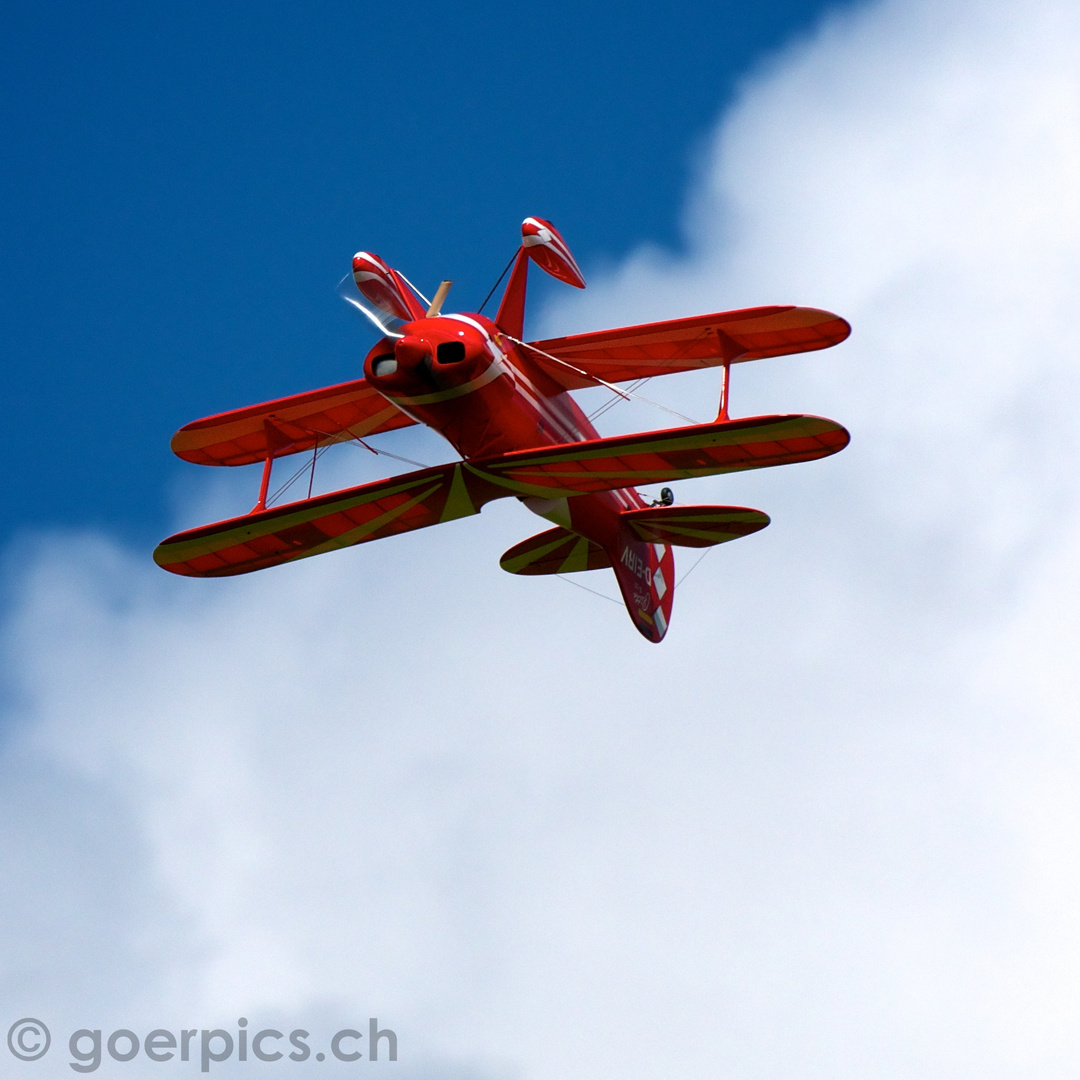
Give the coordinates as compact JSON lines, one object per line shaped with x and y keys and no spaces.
{"x":694,"y":526}
{"x":701,"y":341}
{"x":288,"y":425}
{"x":557,"y":551}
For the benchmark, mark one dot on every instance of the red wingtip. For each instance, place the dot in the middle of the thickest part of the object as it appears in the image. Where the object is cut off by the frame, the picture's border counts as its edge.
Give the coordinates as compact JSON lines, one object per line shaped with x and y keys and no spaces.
{"x":550,"y":252}
{"x":384,"y":287}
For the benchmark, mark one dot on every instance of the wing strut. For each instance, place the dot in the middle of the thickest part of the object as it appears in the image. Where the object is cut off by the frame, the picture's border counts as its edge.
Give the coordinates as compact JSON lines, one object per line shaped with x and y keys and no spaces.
{"x":276,"y":440}
{"x":730,"y":350}
{"x":268,"y":464}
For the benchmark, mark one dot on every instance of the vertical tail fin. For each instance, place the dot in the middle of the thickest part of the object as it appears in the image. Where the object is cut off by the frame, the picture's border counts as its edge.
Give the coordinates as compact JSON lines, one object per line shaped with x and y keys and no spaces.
{"x":646,"y":576}
{"x":511,"y":316}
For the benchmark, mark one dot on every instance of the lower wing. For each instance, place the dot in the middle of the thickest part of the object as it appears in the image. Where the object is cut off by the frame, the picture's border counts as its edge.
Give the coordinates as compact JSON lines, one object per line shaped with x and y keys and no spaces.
{"x":312,"y":526}
{"x":654,"y":457}
{"x":445,"y":492}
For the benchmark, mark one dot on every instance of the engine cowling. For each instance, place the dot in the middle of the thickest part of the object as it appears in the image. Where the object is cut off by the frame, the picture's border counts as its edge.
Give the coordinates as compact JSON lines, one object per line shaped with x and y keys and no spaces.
{"x":432,"y":355}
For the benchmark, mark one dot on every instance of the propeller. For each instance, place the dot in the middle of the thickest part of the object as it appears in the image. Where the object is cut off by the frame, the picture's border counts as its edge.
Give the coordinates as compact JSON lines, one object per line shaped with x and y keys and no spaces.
{"x":386,"y":324}
{"x":387,"y":297}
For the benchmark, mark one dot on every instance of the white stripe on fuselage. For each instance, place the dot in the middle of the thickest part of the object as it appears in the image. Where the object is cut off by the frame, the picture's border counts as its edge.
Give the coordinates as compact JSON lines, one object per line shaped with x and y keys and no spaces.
{"x":560,"y":425}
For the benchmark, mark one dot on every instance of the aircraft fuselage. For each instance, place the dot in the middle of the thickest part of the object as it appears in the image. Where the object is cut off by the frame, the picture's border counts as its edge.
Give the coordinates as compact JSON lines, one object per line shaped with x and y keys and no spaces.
{"x":463,"y":377}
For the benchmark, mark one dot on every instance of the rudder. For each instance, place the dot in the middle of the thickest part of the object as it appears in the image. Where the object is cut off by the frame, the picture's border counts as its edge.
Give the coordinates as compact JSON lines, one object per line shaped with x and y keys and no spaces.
{"x":646,"y":576}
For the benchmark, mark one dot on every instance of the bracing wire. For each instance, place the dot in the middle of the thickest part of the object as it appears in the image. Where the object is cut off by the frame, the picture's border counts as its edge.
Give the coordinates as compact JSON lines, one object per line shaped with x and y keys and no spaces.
{"x":625,"y":395}
{"x":360,"y":444}
{"x":700,"y":559}
{"x":636,"y":385}
{"x":497,"y":283}
{"x":355,"y":440}
{"x":296,"y":475}
{"x":603,"y":596}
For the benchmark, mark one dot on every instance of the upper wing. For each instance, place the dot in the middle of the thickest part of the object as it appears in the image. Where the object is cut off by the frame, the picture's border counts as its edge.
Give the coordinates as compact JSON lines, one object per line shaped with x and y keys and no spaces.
{"x":288,"y":425}
{"x":634,"y":352}
{"x":653,"y":457}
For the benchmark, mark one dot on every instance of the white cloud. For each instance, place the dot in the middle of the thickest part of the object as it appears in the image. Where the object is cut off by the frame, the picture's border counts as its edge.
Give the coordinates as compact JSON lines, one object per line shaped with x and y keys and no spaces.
{"x":828,"y":828}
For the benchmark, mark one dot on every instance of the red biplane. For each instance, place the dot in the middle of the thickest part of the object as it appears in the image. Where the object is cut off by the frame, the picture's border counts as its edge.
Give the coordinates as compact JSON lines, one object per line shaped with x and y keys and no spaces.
{"x":505,"y":407}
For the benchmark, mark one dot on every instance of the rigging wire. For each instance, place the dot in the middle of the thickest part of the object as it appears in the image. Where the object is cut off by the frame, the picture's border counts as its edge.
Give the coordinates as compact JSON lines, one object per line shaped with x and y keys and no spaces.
{"x":637,"y":384}
{"x":700,"y":559}
{"x":296,"y":475}
{"x":320,"y":450}
{"x":384,"y":453}
{"x":497,"y":283}
{"x":626,"y":396}
{"x":603,"y":596}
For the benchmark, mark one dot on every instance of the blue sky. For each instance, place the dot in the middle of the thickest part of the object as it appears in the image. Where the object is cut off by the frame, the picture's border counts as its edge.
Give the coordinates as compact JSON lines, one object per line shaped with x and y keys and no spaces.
{"x":828,"y":829}
{"x":184,"y":186}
